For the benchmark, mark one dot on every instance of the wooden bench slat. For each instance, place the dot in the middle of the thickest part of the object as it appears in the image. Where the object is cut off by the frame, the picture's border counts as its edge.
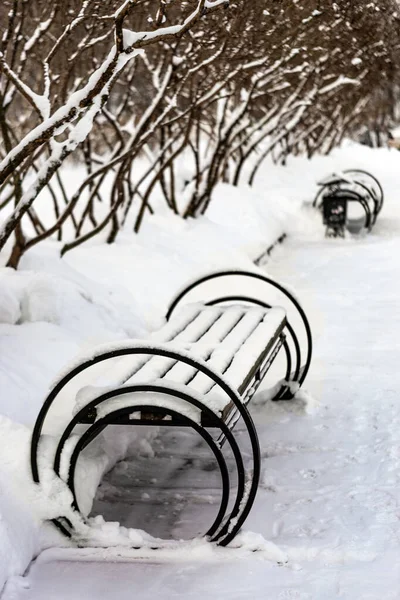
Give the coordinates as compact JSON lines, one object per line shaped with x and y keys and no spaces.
{"x":205,"y":346}
{"x":208,"y":329}
{"x":223,"y":331}
{"x":119,"y":374}
{"x":234,"y":340}
{"x":255,"y":347}
{"x":223,"y":354}
{"x":175,"y":331}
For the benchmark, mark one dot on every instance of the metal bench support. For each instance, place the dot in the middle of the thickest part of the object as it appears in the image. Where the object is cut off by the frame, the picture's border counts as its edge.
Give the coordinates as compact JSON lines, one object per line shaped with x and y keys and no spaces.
{"x":156,"y":400}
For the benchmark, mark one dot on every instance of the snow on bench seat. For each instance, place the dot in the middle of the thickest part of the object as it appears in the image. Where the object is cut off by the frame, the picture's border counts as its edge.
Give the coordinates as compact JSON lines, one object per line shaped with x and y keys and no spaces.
{"x":232,"y":340}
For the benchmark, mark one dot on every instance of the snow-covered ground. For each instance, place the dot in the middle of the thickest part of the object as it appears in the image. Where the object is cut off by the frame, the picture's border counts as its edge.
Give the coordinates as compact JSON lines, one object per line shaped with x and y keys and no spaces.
{"x":328,"y":511}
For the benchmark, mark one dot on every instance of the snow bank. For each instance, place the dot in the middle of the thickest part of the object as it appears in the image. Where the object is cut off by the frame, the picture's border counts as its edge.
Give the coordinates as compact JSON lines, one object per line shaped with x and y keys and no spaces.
{"x":19,"y":534}
{"x":19,"y":527}
{"x":10,"y":310}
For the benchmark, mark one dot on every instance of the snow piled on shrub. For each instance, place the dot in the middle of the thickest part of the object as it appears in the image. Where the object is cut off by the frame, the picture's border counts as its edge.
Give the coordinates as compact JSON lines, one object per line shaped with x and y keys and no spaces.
{"x":10,"y":310}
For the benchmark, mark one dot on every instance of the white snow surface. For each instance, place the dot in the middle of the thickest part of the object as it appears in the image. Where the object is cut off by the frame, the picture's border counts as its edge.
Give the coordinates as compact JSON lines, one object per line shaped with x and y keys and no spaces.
{"x":327,"y":514}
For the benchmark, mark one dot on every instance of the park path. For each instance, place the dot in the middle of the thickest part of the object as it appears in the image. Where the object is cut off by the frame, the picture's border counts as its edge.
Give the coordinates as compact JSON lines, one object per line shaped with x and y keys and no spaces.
{"x":330,"y":492}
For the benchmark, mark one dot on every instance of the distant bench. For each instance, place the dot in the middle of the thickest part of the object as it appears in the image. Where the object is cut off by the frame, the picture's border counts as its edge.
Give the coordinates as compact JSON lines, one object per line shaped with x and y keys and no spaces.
{"x":200,"y":369}
{"x":338,"y":191}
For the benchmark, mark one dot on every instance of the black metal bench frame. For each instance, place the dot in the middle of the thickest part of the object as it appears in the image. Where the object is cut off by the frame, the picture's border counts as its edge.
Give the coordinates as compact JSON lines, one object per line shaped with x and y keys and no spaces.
{"x":356,"y":185}
{"x":225,"y":527}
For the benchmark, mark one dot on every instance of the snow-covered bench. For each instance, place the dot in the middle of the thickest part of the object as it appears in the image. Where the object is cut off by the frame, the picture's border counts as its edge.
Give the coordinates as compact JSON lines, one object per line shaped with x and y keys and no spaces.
{"x":336,"y":194}
{"x":200,"y":369}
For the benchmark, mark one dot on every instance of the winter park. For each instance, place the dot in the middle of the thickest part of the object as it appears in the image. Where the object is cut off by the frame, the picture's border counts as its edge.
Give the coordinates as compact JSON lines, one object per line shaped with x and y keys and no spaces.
{"x":199,"y":313}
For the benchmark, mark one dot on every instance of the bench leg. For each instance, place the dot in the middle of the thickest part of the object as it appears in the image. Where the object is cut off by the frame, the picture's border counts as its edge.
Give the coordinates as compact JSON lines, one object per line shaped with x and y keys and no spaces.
{"x":113,"y":418}
{"x":219,"y":532}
